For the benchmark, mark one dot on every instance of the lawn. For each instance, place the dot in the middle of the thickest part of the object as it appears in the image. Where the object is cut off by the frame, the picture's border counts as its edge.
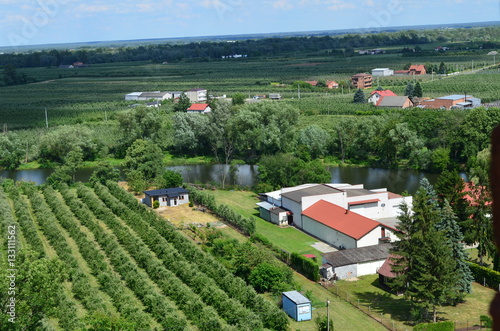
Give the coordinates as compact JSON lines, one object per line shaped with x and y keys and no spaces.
{"x":290,"y":239}
{"x":367,"y":292}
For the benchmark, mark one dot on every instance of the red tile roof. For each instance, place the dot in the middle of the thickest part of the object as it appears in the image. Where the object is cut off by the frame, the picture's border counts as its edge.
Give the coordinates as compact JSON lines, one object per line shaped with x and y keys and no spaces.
{"x":340,"y":219}
{"x":309,"y":255}
{"x":417,"y":67}
{"x":473,"y":196}
{"x":198,"y":106}
{"x":384,"y":93}
{"x":362,"y":202}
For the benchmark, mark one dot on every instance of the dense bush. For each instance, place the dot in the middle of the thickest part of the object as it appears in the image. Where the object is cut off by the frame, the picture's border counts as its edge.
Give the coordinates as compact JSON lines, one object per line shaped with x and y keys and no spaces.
{"x":439,"y":326}
{"x":483,"y":275}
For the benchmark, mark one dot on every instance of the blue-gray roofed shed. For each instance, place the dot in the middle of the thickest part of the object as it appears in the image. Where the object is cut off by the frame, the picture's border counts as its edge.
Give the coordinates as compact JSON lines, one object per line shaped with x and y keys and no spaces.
{"x":297,"y":306}
{"x":167,"y":196}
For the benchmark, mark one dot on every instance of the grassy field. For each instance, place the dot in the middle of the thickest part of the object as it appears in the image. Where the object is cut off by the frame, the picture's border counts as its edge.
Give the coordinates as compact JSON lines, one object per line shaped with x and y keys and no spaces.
{"x":391,"y":307}
{"x":289,"y":238}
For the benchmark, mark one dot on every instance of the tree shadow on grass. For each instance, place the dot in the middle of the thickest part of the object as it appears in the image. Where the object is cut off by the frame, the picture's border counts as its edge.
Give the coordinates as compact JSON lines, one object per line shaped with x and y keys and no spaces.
{"x":386,"y":303}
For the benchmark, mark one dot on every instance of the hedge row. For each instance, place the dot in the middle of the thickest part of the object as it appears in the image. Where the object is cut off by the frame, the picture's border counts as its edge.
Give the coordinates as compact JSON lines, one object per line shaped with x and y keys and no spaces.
{"x":270,"y":314}
{"x":244,"y":224}
{"x":483,"y":275}
{"x":438,"y":326}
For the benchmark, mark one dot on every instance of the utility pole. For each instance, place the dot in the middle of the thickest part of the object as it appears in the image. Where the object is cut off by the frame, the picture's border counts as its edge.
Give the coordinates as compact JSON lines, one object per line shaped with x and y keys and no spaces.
{"x":298,"y":90}
{"x":46,"y":118}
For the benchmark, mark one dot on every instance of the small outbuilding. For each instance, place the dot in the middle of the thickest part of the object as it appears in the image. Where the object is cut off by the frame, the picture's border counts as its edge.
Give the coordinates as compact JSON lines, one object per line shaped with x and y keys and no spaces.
{"x":297,"y":306}
{"x":166,"y":196}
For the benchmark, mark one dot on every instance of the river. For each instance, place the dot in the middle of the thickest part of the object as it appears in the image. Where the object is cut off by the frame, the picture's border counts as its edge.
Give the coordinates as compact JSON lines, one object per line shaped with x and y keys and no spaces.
{"x":395,"y":180}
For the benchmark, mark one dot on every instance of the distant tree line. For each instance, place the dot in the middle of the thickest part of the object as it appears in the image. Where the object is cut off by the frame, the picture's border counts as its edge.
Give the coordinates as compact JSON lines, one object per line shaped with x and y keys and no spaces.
{"x":342,"y":45}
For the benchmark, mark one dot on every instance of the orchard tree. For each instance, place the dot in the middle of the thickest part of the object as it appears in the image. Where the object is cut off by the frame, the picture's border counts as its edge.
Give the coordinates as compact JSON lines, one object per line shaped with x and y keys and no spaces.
{"x":238,"y":98}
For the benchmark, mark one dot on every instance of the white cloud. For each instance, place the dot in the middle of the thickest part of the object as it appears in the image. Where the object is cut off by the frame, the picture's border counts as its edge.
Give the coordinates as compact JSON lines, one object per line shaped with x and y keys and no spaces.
{"x":83,"y":8}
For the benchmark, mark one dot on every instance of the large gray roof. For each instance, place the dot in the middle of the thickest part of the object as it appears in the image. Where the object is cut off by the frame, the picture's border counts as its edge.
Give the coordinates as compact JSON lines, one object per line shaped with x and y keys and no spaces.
{"x":319,"y":189}
{"x":356,"y":192}
{"x":171,"y":192}
{"x":357,"y":255}
{"x":392,"y":101}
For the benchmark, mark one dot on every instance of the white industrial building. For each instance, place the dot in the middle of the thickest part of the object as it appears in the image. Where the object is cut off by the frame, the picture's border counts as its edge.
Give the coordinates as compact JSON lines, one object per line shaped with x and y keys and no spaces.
{"x":382,"y":72}
{"x":342,"y":215}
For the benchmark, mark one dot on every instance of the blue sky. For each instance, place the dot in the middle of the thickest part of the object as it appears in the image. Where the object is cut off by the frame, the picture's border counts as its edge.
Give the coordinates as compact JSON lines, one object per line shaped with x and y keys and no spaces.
{"x":29,"y":22}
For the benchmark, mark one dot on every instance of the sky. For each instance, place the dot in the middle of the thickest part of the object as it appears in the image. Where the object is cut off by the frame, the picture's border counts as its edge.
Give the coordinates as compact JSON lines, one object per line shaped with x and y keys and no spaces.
{"x":32,"y":22}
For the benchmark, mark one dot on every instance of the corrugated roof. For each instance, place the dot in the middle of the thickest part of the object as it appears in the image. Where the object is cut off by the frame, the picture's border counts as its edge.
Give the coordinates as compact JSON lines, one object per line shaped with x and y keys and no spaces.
{"x":340,"y":219}
{"x":356,"y":192}
{"x":171,"y":192}
{"x":455,"y":97}
{"x":319,"y":189}
{"x":357,"y":255}
{"x":278,"y":210}
{"x":296,"y":297}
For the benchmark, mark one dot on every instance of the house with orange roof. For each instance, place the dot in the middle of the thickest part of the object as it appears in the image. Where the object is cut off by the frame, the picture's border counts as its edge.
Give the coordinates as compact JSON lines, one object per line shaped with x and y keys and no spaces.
{"x":417,"y":69}
{"x":200,"y":108}
{"x":375,"y":96}
{"x":312,"y":82}
{"x":331,"y":84}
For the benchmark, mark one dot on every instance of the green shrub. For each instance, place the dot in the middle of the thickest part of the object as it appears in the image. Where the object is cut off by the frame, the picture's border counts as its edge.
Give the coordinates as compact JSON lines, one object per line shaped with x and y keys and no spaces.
{"x":483,"y":275}
{"x":439,"y":326}
{"x":486,"y":321}
{"x":156,"y":204}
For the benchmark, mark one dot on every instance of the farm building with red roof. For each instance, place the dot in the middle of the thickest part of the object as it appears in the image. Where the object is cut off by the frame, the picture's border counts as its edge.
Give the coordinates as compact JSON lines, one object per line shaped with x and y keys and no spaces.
{"x":343,"y":228}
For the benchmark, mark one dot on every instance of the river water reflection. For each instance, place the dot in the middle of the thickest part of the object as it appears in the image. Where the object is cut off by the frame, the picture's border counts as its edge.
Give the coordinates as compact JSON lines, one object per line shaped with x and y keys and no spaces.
{"x":394,"y":180}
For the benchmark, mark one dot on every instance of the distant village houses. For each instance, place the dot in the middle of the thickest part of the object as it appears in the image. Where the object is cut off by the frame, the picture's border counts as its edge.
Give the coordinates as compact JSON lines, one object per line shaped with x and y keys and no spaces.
{"x":454,"y":101}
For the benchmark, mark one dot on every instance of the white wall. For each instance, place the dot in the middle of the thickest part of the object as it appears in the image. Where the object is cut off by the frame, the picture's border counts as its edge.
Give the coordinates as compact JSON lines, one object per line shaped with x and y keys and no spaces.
{"x":327,"y":234}
{"x":371,"y":238}
{"x":369,"y":268}
{"x":295,"y":208}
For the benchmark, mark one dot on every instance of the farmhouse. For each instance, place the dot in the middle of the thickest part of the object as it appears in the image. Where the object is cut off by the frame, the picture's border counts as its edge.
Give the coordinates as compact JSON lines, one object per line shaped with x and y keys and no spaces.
{"x":394,"y":102}
{"x":312,"y":82}
{"x":382,"y":72}
{"x":332,"y":84}
{"x":356,"y":262}
{"x":200,"y":108}
{"x":167,"y":196}
{"x":455,"y":101}
{"x":362,"y":81}
{"x":297,"y":306}
{"x":375,"y":96}
{"x":146,"y":96}
{"x":417,"y":69}
{"x":197,"y":95}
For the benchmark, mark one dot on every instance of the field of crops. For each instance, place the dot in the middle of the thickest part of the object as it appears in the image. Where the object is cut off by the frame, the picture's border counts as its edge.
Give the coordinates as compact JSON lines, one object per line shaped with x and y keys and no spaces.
{"x":124,"y":260}
{"x":96,"y":92}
